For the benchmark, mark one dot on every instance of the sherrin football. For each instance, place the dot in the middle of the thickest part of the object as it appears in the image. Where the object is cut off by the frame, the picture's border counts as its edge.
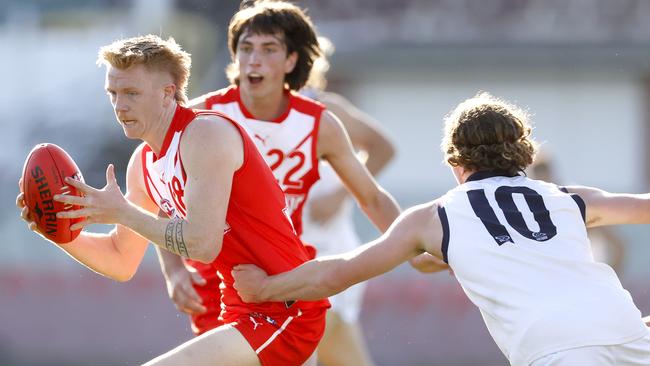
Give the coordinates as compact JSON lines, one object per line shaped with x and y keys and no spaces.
{"x":45,"y":169}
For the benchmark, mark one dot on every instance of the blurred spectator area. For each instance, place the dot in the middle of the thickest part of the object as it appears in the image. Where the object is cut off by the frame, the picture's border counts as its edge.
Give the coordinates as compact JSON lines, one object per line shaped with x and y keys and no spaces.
{"x":475,"y":21}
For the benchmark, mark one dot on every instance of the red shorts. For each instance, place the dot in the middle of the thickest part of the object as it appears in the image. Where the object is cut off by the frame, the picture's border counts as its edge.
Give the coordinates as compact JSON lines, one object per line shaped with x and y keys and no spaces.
{"x":288,"y":339}
{"x":210,"y":294}
{"x":202,"y":323}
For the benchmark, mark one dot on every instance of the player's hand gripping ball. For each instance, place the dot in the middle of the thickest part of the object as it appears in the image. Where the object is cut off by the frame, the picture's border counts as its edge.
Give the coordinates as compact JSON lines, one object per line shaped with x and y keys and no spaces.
{"x":45,"y":169}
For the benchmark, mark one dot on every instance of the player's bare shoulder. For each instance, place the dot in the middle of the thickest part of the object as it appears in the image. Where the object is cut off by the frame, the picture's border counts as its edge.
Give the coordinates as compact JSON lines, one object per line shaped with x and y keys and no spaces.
{"x":329,"y":123}
{"x":332,"y":136}
{"x":134,"y":172}
{"x":136,"y":190}
{"x":426,"y":224}
{"x":210,"y":135}
{"x":422,"y":215}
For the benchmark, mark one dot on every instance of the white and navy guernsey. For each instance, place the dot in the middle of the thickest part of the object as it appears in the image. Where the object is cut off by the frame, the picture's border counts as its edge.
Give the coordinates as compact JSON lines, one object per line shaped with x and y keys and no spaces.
{"x":519,"y":249}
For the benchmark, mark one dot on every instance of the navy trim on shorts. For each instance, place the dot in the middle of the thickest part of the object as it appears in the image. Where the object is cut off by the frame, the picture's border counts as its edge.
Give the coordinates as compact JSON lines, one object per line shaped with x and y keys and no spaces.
{"x":579,"y":201}
{"x":442,"y":214}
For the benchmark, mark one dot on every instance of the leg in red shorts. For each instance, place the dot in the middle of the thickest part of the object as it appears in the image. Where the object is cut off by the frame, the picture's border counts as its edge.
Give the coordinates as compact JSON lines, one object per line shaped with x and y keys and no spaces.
{"x":285,"y":339}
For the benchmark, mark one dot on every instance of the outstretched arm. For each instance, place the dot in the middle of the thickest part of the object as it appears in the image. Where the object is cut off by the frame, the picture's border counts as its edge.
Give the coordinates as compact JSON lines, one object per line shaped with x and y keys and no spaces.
{"x":416,"y":230}
{"x":604,"y":208}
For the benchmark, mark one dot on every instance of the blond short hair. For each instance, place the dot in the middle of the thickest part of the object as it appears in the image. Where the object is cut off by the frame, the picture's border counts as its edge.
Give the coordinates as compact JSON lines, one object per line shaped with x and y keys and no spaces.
{"x":154,"y":53}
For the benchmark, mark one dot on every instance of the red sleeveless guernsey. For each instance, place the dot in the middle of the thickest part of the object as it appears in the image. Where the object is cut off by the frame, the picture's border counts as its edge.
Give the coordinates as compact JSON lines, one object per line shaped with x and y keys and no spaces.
{"x":257,"y":231}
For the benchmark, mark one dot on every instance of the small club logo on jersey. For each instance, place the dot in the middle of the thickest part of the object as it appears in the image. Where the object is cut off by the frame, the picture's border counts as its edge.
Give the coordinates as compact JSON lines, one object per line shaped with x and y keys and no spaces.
{"x":502,"y":238}
{"x":167,"y":206}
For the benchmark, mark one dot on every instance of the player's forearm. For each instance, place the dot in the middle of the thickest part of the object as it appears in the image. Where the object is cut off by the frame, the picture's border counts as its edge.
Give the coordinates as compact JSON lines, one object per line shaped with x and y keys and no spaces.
{"x":101,"y":254}
{"x":169,"y":262}
{"x":620,"y":208}
{"x":313,"y":280}
{"x":382,"y":211}
{"x":605,"y":208}
{"x":175,"y":235}
{"x":641,"y":208}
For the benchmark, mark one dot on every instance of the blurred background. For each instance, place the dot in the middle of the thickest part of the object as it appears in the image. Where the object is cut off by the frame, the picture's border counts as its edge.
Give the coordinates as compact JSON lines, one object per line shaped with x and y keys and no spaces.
{"x":581,"y":67}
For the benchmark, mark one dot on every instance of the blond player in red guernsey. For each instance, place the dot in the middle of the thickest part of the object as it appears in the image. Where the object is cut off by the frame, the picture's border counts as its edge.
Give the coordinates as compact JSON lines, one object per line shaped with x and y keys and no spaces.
{"x":273,"y":46}
{"x":201,"y":170}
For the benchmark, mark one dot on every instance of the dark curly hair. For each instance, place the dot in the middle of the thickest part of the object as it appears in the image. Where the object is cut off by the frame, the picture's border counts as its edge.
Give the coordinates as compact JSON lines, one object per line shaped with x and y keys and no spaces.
{"x":487,"y":133}
{"x":276,"y":17}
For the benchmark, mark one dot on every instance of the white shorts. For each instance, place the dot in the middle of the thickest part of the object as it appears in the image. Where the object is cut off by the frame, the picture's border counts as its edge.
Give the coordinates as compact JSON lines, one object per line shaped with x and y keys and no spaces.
{"x":633,"y":353}
{"x":347,"y":304}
